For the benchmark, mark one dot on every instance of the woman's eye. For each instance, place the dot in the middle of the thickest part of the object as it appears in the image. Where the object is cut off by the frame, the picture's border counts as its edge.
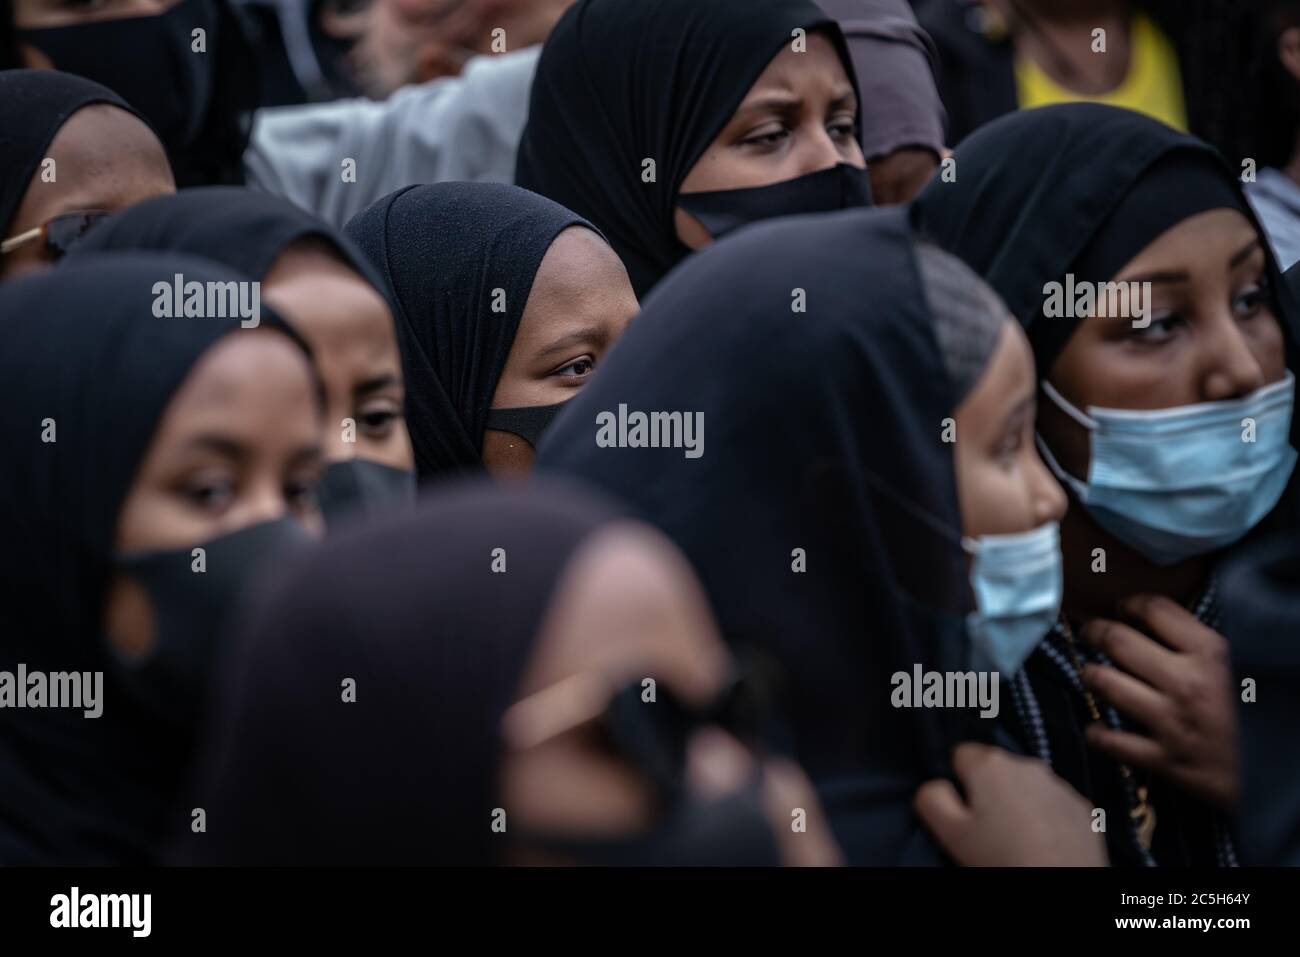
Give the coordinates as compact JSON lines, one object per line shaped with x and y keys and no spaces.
{"x":378,"y":423}
{"x":85,"y":6}
{"x":578,"y":368}
{"x":841,"y":128}
{"x":766,"y":137}
{"x":1251,"y":300}
{"x":210,"y":495}
{"x":1158,"y":329}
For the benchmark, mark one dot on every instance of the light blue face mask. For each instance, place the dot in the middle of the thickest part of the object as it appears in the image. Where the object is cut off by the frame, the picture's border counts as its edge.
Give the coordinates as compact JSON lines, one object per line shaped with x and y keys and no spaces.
{"x":1174,"y":483}
{"x":1017,"y":584}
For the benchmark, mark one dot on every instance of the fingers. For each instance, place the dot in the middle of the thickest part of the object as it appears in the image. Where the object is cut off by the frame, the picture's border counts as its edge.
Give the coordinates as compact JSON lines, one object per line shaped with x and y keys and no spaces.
{"x":1171,"y":623}
{"x":942,"y":810}
{"x":1134,"y":698}
{"x":970,"y":757}
{"x":1131,"y":650}
{"x":1128,"y":748}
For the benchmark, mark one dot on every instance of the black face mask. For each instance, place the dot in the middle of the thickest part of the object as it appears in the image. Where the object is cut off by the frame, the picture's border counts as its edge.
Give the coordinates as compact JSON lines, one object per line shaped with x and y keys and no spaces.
{"x":361,"y":486}
{"x":190,"y":608}
{"x":148,"y":61}
{"x":526,"y":421}
{"x":840,"y":187}
{"x":731,"y":831}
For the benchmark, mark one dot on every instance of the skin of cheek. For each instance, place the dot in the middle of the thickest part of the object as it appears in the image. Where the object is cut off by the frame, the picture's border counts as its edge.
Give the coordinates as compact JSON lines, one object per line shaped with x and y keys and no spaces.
{"x":86,"y":177}
{"x":151,"y":519}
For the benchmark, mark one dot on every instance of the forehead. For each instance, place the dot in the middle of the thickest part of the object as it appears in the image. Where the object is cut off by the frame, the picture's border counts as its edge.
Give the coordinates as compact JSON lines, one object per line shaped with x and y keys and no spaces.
{"x":818,"y":66}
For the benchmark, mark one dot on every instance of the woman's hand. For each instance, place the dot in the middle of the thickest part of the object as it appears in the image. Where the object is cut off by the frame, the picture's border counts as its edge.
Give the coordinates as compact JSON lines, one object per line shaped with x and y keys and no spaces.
{"x":1177,"y":684}
{"x":1016,"y":813}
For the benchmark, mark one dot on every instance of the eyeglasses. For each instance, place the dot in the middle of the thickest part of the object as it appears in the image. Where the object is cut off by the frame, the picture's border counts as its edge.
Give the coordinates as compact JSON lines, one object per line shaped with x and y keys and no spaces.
{"x":58,"y":235}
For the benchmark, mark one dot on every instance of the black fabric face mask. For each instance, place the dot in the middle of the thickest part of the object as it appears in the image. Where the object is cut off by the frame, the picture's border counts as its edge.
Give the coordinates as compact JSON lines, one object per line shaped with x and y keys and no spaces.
{"x":839,"y":187}
{"x":190,"y":608}
{"x":360,"y":485}
{"x":148,"y":61}
{"x":730,"y":831}
{"x":526,"y":421}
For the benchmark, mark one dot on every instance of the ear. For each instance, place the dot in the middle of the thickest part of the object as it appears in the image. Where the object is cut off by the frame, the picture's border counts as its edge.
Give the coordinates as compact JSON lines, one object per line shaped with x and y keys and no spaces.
{"x":1288,"y":51}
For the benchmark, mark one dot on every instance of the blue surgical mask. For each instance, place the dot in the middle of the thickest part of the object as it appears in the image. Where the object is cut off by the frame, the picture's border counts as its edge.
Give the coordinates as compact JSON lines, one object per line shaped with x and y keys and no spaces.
{"x":1175,"y":483}
{"x":1017,"y":584}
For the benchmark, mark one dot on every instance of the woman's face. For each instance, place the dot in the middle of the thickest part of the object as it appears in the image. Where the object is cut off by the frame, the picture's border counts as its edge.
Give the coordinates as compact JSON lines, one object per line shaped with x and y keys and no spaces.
{"x":350,"y":330}
{"x":104,"y":159}
{"x":580,"y":303}
{"x":796,"y":119}
{"x":1212,"y":335}
{"x":628,"y":608}
{"x":1002,"y":484}
{"x":238,"y":445}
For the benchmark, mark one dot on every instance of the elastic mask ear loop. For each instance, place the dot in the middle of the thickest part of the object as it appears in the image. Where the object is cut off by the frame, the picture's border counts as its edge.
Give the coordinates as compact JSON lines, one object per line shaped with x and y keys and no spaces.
{"x":1064,"y":405}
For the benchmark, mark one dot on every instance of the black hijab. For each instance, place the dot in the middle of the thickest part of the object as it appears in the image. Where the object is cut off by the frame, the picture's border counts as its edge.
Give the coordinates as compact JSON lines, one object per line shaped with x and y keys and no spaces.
{"x":240,"y":228}
{"x":34,"y":105}
{"x":622,"y":82}
{"x":443,"y":252}
{"x":436,"y":643}
{"x":822,"y":434}
{"x":85,"y":357}
{"x":1074,"y":188}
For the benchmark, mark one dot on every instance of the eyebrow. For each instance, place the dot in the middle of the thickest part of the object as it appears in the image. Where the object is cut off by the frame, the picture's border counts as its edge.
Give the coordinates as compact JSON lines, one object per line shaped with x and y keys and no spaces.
{"x":1237,"y":259}
{"x":589,"y":334}
{"x":375,"y":383}
{"x":219,"y":444}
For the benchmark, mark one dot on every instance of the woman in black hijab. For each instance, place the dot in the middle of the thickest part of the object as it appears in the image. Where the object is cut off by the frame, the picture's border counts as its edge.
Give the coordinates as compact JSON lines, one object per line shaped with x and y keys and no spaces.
{"x":188,"y":69}
{"x":71,"y":151}
{"x":506,"y":302}
{"x":326,"y":288}
{"x":668,"y":123}
{"x":141,"y":451}
{"x":1141,"y":415}
{"x":796,"y":454}
{"x":467,"y":684}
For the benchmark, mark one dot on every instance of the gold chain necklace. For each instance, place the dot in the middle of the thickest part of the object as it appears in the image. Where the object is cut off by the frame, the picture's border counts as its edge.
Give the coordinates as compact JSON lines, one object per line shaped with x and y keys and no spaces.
{"x":1144,"y":815}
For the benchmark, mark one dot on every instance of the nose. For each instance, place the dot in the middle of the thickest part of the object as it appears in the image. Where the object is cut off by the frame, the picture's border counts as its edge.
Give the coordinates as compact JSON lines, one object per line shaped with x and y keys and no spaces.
{"x":1232,"y":369}
{"x":265,"y":503}
{"x":818,"y":150}
{"x":1049,"y":498}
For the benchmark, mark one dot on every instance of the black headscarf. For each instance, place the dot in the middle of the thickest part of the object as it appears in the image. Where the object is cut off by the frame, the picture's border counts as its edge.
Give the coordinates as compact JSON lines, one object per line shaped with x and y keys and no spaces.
{"x":1074,"y":188}
{"x":619,"y":83}
{"x":85,"y":357}
{"x":822,"y":433}
{"x":240,"y":228}
{"x":199,"y":102}
{"x":34,"y":105}
{"x":436,"y":643}
{"x":443,"y":251}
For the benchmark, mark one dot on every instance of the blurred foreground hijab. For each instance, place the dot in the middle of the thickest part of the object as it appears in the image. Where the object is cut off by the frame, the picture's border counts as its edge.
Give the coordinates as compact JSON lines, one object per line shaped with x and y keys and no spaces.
{"x":808,"y":484}
{"x":1261,"y":619}
{"x":1076,"y":188}
{"x":189,"y":70}
{"x":34,"y":105}
{"x":83,"y":357}
{"x":437,"y":644}
{"x":619,"y":83}
{"x":458,"y":261}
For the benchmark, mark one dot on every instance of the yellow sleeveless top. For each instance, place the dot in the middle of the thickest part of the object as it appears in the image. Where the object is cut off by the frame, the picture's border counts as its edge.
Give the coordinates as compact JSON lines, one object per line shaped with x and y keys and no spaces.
{"x":1153,"y":86}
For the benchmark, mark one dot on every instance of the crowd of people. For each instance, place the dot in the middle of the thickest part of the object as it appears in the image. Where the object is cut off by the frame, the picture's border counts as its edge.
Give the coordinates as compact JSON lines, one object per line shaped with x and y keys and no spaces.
{"x":687,"y":432}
